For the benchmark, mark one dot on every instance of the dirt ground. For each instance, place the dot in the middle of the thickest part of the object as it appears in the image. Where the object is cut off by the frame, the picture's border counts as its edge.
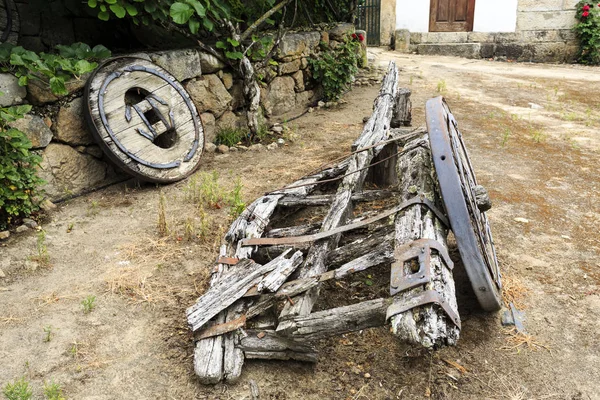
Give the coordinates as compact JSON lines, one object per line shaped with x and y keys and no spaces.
{"x":539,"y":165}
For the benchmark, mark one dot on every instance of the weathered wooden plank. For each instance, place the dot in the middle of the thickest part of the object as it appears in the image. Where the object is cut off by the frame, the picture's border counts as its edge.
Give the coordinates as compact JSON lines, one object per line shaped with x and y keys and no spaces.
{"x":258,"y":221}
{"x":402,"y":109}
{"x":374,"y":132}
{"x":208,"y":353}
{"x":360,"y":246}
{"x":269,"y":345}
{"x":230,"y":288}
{"x":233,"y":357}
{"x":425,"y":325}
{"x":278,"y":276}
{"x":337,"y":321}
{"x":323,"y":200}
{"x":298,"y":230}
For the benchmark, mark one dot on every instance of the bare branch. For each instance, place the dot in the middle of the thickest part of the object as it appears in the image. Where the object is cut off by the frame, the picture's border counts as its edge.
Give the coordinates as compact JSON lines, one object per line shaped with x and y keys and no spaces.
{"x":262,"y":19}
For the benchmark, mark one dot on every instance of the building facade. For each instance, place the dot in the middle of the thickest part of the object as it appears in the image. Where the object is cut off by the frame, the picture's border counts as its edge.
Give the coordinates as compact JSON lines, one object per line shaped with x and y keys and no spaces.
{"x":524,"y":30}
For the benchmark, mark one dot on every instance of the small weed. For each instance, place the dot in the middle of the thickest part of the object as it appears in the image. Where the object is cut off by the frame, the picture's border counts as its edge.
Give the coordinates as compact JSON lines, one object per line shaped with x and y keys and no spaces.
{"x":204,"y":228}
{"x":48,"y":333}
{"x":538,"y":136}
{"x":42,"y":257}
{"x":89,"y":303}
{"x":235,"y":200}
{"x":230,"y":136}
{"x":163,"y":229}
{"x":204,"y":189}
{"x":70,"y":227}
{"x":568,"y":116}
{"x":441,"y":86}
{"x":53,"y":391}
{"x":19,"y":390}
{"x":93,"y":209}
{"x":189,"y":232}
{"x":505,"y":135}
{"x":263,"y":130}
{"x":410,"y":82}
{"x":514,"y":117}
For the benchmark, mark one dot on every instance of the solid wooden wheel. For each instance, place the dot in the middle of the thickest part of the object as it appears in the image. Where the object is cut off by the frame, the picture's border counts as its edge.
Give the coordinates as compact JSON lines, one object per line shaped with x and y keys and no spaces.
{"x":144,"y":120}
{"x":457,"y":185}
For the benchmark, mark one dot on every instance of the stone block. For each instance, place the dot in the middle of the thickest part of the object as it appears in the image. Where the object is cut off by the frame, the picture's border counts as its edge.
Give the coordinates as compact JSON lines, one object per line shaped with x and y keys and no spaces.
{"x":415,"y":37}
{"x":467,"y":50}
{"x":208,"y":123}
{"x":297,"y":44}
{"x":298,"y":78}
{"x":209,"y":94}
{"x":13,"y":93}
{"x":210,"y":64}
{"x":540,"y":5}
{"x":305,"y":99}
{"x":545,"y":20}
{"x":237,"y":95}
{"x":33,"y":43}
{"x":227,"y":79}
{"x":481,"y":37}
{"x":183,"y":64}
{"x":35,"y":129}
{"x":229,"y":120}
{"x":289,"y":67}
{"x":402,"y":40}
{"x":68,"y":172}
{"x":280,"y":97}
{"x":508,"y":37}
{"x":541,"y":36}
{"x":70,"y":125}
{"x":487,"y":50}
{"x":341,"y":31}
{"x":444,"y":37}
{"x":38,"y":92}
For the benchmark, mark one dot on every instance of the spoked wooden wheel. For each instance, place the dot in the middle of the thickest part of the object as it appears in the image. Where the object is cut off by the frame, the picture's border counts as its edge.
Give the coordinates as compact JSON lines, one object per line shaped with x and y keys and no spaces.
{"x":457,"y":185}
{"x":144,"y":120}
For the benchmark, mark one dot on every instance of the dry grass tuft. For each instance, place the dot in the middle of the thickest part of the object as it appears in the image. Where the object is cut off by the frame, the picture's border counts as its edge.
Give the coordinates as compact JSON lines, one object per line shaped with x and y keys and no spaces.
{"x":136,"y":286}
{"x":518,"y":341}
{"x":513,"y":291}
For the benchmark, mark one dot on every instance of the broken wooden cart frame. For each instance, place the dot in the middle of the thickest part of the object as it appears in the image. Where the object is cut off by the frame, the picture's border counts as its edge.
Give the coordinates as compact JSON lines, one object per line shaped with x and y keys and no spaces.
{"x":263,"y":268}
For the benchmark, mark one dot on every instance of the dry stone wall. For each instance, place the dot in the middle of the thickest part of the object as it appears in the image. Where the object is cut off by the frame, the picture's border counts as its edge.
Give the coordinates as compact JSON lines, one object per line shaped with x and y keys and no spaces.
{"x":71,"y":161}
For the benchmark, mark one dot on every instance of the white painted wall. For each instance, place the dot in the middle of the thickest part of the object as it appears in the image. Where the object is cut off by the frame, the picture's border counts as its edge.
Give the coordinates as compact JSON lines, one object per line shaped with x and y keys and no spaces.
{"x":490,"y":15}
{"x":413,"y":15}
{"x":495,"y":16}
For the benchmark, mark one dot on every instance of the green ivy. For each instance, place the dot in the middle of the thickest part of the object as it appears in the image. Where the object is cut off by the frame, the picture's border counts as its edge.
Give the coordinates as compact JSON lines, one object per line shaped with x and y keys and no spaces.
{"x":335,"y":68}
{"x":18,"y":179}
{"x":588,"y":32}
{"x":54,"y":69}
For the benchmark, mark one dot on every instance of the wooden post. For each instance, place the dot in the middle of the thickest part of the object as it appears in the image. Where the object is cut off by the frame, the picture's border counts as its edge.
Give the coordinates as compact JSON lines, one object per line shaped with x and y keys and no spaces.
{"x":426,"y":325}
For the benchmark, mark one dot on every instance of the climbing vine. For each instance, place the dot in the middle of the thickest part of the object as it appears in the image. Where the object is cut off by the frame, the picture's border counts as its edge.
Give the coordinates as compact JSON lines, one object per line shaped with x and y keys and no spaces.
{"x":18,"y":180}
{"x":71,"y":62}
{"x":335,"y":67}
{"x":588,"y":32}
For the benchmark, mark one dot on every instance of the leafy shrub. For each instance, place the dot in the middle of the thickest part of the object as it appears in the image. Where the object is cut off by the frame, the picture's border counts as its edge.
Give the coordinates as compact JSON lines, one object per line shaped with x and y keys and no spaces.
{"x":18,"y":180}
{"x":230,"y":136}
{"x":588,"y":32}
{"x":55,"y":69}
{"x":335,"y":68}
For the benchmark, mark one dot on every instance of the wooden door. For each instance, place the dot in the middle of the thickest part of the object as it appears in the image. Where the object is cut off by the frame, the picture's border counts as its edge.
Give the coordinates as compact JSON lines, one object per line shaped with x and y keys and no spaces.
{"x":451,"y":15}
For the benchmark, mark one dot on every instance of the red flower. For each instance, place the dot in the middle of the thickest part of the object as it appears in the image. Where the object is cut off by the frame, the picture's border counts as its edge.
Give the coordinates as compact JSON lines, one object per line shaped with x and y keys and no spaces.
{"x":586,"y":8}
{"x":585,"y":14}
{"x":361,"y":37}
{"x":354,"y":36}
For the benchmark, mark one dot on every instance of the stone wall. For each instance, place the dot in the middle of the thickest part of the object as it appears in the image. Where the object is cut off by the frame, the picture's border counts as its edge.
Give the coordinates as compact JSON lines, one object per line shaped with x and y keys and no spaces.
{"x":542,"y":34}
{"x":72,"y":163}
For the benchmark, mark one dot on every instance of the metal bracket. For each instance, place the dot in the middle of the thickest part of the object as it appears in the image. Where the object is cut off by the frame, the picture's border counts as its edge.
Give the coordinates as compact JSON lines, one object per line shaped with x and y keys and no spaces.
{"x":420,"y":299}
{"x":401,"y":279}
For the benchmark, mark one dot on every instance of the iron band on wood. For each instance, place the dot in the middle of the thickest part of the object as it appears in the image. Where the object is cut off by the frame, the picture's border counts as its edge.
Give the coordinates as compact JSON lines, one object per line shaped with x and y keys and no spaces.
{"x":421,"y":249}
{"x":427,"y":297}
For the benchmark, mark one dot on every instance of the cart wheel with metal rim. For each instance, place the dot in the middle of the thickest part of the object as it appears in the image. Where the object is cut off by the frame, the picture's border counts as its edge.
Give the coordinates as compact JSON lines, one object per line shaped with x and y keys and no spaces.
{"x":457,"y":185}
{"x":144,"y":120}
